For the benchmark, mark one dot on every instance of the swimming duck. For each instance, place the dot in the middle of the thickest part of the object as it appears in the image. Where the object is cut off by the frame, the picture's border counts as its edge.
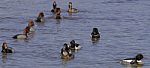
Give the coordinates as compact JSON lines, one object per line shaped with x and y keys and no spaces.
{"x":54,"y":7}
{"x":66,"y":52}
{"x":6,"y":49}
{"x":67,"y":48}
{"x":95,"y":33}
{"x":58,"y":15}
{"x":74,"y":45}
{"x":24,"y":35}
{"x":133,"y":61}
{"x":72,"y":10}
{"x":31,"y":26}
{"x":40,"y":17}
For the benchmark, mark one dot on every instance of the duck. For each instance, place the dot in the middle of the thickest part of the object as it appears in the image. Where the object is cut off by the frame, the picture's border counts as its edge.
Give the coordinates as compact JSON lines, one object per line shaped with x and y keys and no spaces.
{"x":40,"y":17}
{"x":31,"y":26}
{"x":24,"y":35}
{"x":133,"y":61}
{"x":58,"y":13}
{"x":95,"y":33}
{"x":72,"y":10}
{"x":54,"y":7}
{"x":66,"y":48}
{"x":6,"y":49}
{"x":74,"y":45}
{"x":66,"y":52}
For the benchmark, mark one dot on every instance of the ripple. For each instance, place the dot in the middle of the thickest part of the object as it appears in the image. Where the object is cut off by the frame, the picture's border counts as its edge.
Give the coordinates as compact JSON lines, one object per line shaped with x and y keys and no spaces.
{"x":124,"y":25}
{"x":120,"y":1}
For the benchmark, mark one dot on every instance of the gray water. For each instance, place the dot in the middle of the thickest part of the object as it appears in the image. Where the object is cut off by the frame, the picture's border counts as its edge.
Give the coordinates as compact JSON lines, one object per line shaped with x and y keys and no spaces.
{"x":123,"y":24}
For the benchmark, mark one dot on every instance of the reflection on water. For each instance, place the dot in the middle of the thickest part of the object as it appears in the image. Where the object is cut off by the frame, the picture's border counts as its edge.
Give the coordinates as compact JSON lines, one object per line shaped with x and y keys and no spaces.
{"x":58,"y":21}
{"x":70,"y":14}
{"x":95,"y":40}
{"x":31,"y":34}
{"x":40,"y":23}
{"x":4,"y":57}
{"x":132,"y":66}
{"x":65,"y":61}
{"x":58,"y":27}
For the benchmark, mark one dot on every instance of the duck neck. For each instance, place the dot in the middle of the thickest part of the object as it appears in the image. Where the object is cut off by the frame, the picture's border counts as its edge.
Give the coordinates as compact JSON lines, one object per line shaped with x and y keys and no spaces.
{"x":70,"y":6}
{"x":54,"y":5}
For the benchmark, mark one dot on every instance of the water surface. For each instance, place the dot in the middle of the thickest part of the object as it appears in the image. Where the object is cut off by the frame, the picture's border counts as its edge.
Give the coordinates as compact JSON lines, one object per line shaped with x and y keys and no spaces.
{"x":123,"y":24}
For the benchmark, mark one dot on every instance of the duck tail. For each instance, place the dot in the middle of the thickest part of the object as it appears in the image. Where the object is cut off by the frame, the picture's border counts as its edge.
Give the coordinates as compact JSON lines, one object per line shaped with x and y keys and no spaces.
{"x":14,"y":37}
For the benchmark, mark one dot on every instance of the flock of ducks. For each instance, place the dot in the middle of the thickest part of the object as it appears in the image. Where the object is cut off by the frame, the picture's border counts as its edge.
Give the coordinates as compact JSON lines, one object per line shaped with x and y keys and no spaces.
{"x":67,"y":52}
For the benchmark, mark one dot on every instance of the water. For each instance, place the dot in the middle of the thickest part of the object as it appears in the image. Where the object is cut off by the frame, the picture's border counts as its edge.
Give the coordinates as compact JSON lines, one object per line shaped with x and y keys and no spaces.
{"x":123,"y":24}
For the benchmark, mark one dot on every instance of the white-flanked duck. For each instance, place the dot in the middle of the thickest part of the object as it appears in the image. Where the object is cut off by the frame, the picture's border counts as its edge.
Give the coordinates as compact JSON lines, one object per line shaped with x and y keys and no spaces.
{"x":40,"y":17}
{"x":74,"y":45}
{"x":71,"y":9}
{"x":6,"y":49}
{"x":54,"y":7}
{"x":24,"y":35}
{"x":134,"y":61}
{"x":66,"y":52}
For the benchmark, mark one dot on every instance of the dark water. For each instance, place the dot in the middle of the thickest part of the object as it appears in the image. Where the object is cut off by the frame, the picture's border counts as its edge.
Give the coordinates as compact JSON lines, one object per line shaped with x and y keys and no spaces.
{"x":123,"y":24}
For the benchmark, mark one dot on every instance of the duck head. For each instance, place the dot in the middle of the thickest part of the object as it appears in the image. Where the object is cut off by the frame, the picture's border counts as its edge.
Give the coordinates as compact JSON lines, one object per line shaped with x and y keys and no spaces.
{"x":41,"y":14}
{"x":58,"y":11}
{"x":139,"y":57}
{"x":4,"y":46}
{"x":66,"y":47}
{"x":54,"y":5}
{"x":40,"y":17}
{"x":31,"y":23}
{"x":70,"y":5}
{"x":72,"y":42}
{"x":95,"y":30}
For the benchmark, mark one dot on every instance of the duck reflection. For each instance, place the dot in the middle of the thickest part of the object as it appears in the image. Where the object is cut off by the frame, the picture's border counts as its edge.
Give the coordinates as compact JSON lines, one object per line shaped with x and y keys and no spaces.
{"x":131,"y":66}
{"x":70,"y":14}
{"x":95,"y":40}
{"x":4,"y":57}
{"x":58,"y":21}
